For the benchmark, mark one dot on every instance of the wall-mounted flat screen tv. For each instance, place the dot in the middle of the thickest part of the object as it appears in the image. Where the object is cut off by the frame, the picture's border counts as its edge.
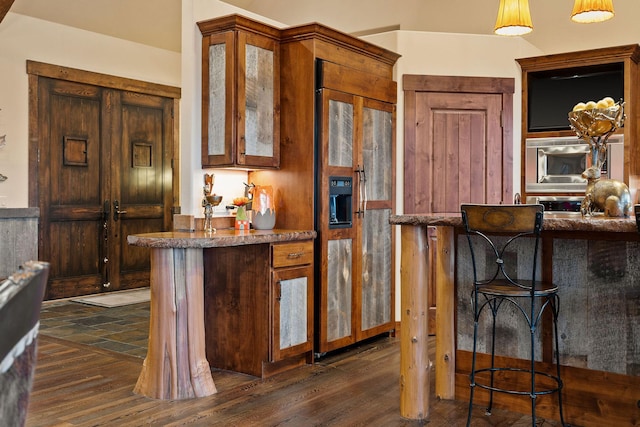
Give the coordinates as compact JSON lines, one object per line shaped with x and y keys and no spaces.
{"x":552,"y":94}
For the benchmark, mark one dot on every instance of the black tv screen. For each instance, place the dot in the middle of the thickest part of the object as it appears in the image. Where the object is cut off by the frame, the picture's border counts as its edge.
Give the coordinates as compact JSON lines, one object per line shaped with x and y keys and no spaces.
{"x":552,"y":94}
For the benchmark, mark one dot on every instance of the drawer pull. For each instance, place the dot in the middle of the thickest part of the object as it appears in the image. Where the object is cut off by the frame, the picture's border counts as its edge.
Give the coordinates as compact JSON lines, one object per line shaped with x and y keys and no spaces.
{"x":294,"y":255}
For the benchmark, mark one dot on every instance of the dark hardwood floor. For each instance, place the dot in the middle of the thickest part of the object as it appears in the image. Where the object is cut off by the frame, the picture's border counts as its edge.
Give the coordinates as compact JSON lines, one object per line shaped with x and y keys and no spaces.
{"x":82,"y":383}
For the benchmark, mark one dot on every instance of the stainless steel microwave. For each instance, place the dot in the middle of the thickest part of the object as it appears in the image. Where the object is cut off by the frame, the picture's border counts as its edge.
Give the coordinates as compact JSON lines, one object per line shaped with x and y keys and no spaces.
{"x":555,"y":165}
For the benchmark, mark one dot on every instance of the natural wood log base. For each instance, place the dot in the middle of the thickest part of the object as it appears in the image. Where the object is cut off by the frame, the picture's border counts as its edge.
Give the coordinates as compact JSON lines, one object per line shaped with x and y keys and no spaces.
{"x":415,"y":366}
{"x":176,"y":366}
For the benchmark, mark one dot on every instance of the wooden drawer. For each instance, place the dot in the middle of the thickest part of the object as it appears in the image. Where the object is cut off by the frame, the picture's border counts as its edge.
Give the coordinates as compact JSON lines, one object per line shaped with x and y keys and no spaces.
{"x":289,"y":254}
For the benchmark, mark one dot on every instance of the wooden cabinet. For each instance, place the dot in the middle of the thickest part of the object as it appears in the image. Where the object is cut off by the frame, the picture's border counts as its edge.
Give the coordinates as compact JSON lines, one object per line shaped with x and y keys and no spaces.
{"x":292,"y":296}
{"x":240,"y":93}
{"x":259,"y":307}
{"x":584,"y":63}
{"x":356,"y":140}
{"x":338,"y":119}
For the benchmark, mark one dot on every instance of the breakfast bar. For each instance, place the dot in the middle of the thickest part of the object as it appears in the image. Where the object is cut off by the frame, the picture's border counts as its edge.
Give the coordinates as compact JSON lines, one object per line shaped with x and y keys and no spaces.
{"x":593,"y":260}
{"x":176,"y":365}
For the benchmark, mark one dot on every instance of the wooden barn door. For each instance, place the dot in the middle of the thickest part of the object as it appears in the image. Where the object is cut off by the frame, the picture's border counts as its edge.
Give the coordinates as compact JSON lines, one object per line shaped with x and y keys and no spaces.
{"x":104,"y":171}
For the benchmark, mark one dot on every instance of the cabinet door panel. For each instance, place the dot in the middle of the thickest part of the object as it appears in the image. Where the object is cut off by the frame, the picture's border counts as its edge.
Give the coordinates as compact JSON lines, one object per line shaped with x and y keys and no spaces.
{"x":259,"y":99}
{"x":240,"y":97}
{"x":376,"y":292}
{"x":217,"y":99}
{"x":340,"y":133}
{"x":377,"y":151}
{"x":339,"y":289}
{"x":293,"y":312}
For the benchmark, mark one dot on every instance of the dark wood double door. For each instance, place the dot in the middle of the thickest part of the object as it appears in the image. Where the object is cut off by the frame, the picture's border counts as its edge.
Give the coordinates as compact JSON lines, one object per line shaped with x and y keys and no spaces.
{"x":104,"y":165}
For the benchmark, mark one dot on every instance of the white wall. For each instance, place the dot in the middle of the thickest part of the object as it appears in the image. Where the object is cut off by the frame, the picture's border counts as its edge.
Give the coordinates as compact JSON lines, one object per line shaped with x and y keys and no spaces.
{"x":228,"y":183}
{"x":23,"y":38}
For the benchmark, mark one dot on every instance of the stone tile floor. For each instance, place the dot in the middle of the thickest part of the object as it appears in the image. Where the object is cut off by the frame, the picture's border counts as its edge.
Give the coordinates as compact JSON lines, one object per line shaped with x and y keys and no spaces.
{"x":123,"y":329}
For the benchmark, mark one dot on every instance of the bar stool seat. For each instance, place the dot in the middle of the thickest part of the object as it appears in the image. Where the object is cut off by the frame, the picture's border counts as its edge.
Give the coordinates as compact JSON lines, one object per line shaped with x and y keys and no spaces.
{"x":504,"y":241}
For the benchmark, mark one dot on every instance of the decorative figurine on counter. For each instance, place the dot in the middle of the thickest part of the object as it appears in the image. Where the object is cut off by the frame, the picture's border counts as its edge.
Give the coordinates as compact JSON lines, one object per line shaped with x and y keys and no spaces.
{"x":607,"y":195}
{"x":594,"y":122}
{"x":242,"y":222}
{"x":209,"y":201}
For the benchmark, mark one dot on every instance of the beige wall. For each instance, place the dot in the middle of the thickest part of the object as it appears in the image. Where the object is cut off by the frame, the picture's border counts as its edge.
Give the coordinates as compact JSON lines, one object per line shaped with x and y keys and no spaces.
{"x":23,"y":38}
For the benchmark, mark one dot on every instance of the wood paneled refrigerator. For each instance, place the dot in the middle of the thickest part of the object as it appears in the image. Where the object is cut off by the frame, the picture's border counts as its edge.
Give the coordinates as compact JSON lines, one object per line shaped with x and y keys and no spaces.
{"x":338,"y":136}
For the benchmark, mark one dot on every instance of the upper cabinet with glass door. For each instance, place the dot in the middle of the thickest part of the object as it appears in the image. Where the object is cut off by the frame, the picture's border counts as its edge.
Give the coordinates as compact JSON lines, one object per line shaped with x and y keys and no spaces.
{"x":240,"y":93}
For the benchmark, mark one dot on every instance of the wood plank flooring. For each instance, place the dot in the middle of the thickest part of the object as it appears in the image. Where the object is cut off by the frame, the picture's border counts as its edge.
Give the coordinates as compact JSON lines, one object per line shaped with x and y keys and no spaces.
{"x":79,"y":382}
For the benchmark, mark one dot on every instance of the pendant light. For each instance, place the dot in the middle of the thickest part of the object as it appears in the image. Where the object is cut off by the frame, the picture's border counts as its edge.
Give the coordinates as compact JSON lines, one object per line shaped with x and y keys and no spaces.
{"x":587,"y":11}
{"x":514,"y":18}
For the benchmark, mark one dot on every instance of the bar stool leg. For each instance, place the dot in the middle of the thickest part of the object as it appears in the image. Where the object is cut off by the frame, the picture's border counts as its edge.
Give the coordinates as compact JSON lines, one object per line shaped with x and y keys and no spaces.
{"x":555,"y":307}
{"x":532,"y":330}
{"x":472,"y":375}
{"x":494,"y":311}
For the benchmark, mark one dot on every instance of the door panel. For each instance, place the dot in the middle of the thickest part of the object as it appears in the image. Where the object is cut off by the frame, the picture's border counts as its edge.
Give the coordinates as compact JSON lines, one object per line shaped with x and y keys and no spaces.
{"x":292,"y":325}
{"x":374,"y":290}
{"x":71,"y":188}
{"x":141,"y":182}
{"x":338,"y":246}
{"x":460,"y":151}
{"x":456,"y":148}
{"x":104,"y":173}
{"x":376,"y":282}
{"x":356,"y":292}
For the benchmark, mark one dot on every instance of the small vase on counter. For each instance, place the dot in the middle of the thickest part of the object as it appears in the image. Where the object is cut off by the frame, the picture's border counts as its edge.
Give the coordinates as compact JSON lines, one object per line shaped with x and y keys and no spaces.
{"x":263,"y":206}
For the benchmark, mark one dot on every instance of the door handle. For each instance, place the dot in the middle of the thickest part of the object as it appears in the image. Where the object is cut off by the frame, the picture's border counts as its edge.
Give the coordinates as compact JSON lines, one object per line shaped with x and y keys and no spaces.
{"x":116,"y":211}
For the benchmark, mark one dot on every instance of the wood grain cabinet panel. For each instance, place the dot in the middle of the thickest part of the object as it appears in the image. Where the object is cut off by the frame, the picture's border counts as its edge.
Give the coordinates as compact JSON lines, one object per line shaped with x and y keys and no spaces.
{"x":259,"y":307}
{"x":240,"y":93}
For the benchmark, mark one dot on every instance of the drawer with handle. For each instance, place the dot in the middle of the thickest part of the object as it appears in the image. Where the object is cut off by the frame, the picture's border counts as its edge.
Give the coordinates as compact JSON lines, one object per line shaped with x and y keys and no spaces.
{"x":289,"y":254}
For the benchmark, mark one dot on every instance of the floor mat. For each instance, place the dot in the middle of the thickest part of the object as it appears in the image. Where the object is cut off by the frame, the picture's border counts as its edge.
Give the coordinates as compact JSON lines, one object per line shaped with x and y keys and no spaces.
{"x":116,"y":299}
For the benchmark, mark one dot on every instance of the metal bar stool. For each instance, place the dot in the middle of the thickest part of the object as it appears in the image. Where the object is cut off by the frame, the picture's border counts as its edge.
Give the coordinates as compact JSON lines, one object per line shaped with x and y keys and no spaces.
{"x":504,"y":242}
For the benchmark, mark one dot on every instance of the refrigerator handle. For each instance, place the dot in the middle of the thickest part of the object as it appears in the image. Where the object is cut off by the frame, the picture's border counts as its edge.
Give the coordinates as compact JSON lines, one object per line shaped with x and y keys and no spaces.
{"x":362,"y":200}
{"x":363,"y":190}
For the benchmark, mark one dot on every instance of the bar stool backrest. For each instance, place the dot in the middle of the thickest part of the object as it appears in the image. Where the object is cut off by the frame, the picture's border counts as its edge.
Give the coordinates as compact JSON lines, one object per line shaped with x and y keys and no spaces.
{"x":499,"y":227}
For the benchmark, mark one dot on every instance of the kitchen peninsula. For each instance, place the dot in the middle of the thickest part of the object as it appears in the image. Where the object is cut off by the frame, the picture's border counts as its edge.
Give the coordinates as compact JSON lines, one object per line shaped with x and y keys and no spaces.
{"x":238,"y":300}
{"x":593,"y":260}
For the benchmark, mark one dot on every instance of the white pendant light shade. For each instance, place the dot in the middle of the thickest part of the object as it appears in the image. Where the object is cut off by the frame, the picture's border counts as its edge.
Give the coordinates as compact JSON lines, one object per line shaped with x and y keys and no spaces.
{"x":514,"y":18}
{"x":587,"y":11}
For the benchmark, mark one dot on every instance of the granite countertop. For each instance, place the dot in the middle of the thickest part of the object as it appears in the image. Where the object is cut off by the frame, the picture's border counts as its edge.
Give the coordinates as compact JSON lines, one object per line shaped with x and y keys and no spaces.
{"x":220,"y":238}
{"x":556,"y":221}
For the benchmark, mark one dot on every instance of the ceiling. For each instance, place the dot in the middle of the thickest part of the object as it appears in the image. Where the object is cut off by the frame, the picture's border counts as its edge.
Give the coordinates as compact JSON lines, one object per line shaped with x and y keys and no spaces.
{"x":157,"y":22}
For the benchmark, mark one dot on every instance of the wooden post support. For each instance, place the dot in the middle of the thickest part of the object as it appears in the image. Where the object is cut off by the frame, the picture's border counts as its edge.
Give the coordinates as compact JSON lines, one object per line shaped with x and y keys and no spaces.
{"x":176,"y":366}
{"x":414,"y":356}
{"x":444,"y":265}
